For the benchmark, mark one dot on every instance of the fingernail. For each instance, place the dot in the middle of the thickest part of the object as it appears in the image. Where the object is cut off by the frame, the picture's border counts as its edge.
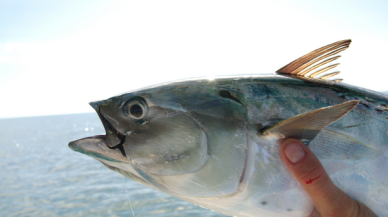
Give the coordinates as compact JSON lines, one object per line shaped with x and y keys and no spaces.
{"x":294,"y":152}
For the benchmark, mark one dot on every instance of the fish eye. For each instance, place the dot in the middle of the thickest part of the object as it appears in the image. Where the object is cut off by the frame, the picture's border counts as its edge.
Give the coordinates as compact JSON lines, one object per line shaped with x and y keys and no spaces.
{"x":135,"y":109}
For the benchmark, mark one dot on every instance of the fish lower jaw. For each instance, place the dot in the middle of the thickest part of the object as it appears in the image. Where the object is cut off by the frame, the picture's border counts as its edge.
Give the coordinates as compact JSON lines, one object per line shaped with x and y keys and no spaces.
{"x":75,"y":145}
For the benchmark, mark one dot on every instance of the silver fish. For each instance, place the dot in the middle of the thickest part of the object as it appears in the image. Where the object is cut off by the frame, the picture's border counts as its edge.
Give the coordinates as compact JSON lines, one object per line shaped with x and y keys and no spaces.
{"x":215,"y":143}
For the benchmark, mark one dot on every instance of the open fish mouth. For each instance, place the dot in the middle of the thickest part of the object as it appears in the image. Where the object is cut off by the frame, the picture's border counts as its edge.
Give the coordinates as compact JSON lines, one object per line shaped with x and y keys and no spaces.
{"x":97,"y":148}
{"x":113,"y":138}
{"x":113,"y":134}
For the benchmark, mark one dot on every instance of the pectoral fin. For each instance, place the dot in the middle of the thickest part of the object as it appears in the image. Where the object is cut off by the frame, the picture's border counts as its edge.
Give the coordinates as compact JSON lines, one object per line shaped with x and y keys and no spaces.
{"x":306,"y":126}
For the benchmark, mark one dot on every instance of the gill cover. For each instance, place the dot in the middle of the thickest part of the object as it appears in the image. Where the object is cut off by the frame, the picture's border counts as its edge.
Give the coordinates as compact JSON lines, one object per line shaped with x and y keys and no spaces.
{"x":157,"y":140}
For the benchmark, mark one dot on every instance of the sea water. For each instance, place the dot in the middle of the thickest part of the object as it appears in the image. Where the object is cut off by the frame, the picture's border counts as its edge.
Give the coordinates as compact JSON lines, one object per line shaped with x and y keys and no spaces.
{"x":41,"y":176}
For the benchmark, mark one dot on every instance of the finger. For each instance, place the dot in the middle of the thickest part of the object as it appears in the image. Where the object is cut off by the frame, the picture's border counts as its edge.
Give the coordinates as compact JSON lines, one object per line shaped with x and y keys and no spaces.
{"x":305,"y":166}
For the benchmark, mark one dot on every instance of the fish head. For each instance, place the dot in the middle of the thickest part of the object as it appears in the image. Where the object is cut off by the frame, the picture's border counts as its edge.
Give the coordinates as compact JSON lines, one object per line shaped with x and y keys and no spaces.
{"x":164,"y":131}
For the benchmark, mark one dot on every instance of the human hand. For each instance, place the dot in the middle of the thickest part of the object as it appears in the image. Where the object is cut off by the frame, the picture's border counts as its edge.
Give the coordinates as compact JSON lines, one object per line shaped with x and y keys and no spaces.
{"x":329,"y":200}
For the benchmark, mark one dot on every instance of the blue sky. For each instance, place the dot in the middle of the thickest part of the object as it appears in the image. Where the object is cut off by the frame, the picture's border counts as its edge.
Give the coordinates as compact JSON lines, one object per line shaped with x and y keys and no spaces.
{"x":56,"y":56}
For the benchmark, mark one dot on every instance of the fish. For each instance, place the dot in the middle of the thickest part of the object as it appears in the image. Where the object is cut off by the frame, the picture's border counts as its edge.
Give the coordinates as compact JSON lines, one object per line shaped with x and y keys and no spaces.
{"x":215,"y":142}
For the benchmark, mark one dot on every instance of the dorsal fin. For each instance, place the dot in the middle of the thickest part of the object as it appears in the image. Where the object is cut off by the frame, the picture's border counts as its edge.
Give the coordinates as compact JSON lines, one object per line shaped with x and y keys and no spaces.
{"x":304,"y":66}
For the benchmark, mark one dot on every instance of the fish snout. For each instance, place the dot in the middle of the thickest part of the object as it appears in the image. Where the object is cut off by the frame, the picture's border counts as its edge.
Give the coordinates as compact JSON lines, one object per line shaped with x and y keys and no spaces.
{"x":84,"y":144}
{"x":97,"y":148}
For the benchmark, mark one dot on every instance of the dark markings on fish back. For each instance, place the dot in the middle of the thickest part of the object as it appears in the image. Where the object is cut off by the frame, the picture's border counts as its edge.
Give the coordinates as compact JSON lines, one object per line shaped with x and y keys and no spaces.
{"x":364,"y":104}
{"x":289,"y":210}
{"x":266,"y":90}
{"x":342,"y":96}
{"x":260,"y":90}
{"x":342,"y":89}
{"x":351,"y":126}
{"x":370,"y":100}
{"x":379,"y":108}
{"x":260,"y":87}
{"x":367,"y":103}
{"x":228,"y":95}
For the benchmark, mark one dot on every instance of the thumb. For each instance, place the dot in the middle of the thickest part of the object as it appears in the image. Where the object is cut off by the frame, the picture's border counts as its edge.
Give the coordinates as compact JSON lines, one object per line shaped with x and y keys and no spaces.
{"x":329,"y":200}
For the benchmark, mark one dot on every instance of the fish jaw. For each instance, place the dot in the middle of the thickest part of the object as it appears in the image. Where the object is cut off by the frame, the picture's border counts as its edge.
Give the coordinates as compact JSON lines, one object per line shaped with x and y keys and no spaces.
{"x":97,"y":148}
{"x":113,"y":139}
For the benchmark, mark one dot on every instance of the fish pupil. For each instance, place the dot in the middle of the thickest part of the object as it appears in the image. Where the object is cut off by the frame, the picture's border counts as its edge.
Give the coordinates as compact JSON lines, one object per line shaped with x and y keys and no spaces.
{"x":136,"y":111}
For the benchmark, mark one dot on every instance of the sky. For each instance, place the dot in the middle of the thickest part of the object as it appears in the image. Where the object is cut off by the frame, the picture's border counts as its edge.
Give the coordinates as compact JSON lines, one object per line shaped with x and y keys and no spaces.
{"x":57,"y":56}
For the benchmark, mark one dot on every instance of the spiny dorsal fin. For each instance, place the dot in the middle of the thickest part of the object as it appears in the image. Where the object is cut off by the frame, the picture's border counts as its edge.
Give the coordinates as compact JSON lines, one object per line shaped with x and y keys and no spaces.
{"x":306,"y":126}
{"x":304,"y":66}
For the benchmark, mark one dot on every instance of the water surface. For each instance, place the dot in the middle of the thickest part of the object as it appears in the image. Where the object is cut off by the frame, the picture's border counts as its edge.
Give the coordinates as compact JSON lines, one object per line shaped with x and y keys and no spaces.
{"x":41,"y":176}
